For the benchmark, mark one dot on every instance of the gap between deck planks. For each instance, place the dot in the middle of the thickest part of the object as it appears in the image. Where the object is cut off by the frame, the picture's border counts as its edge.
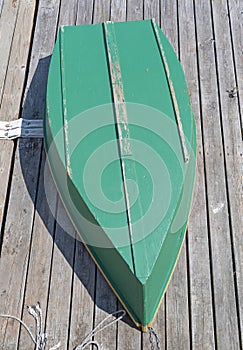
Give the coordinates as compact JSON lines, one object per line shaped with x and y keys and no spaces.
{"x":203,"y":305}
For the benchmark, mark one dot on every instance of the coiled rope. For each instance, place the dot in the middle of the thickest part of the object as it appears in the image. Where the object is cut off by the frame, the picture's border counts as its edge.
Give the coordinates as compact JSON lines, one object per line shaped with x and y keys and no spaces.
{"x":40,"y":339}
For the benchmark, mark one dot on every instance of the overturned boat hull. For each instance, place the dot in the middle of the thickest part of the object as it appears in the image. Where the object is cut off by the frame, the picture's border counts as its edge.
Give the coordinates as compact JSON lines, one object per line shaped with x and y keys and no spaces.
{"x":120,"y":139}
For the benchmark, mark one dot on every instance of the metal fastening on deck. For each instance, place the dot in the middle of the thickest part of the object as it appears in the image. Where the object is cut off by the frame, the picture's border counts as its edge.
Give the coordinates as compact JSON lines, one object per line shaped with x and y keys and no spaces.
{"x":21,"y":128}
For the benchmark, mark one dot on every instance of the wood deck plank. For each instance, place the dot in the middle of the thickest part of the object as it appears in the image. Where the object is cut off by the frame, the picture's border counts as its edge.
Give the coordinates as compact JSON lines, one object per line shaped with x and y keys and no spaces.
{"x":101,"y":10}
{"x":135,"y":10}
{"x":40,"y":261}
{"x":118,"y":10}
{"x":220,"y":240}
{"x":9,"y":16}
{"x":232,"y":142}
{"x":177,"y":312}
{"x":202,"y":327}
{"x":59,"y":301}
{"x":27,"y":160}
{"x":17,"y":237}
{"x":169,"y":21}
{"x":152,"y":10}
{"x":83,"y":296}
{"x":85,"y":12}
{"x":13,"y":83}
{"x":236,"y":27}
{"x":68,"y":13}
{"x":59,"y":311}
{"x":18,"y":225}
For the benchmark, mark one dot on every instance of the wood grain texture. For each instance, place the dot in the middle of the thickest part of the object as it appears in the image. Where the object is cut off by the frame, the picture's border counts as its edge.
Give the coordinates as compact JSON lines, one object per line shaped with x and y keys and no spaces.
{"x":152,"y":10}
{"x":59,"y":301}
{"x":83,"y":296}
{"x":236,"y":28}
{"x":19,"y":221}
{"x":101,"y":11}
{"x":40,"y":261}
{"x":105,"y":304}
{"x":232,"y":142}
{"x":68,"y":13}
{"x":177,"y":311}
{"x":118,"y":10}
{"x":201,"y":310}
{"x":17,"y":238}
{"x":17,"y":232}
{"x":85,"y":12}
{"x":135,"y":10}
{"x":169,"y":23}
{"x":9,"y":15}
{"x":62,"y":276}
{"x":13,"y":80}
{"x":220,"y":239}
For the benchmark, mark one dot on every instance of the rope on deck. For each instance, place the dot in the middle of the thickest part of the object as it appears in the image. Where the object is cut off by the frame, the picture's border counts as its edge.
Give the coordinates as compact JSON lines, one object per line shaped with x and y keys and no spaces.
{"x":88,"y":338}
{"x":41,"y":338}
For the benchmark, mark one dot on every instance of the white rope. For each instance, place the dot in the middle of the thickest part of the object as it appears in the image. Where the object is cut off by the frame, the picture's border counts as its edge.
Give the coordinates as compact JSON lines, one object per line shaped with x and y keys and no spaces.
{"x":41,"y":338}
{"x":88,"y":338}
{"x":22,"y":323}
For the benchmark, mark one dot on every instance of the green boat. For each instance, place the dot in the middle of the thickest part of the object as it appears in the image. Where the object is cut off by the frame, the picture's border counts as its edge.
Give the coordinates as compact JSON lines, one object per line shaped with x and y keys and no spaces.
{"x":120,"y":139}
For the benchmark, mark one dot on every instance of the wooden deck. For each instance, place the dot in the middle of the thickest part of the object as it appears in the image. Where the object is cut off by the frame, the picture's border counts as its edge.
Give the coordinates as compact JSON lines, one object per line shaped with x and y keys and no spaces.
{"x":42,"y":261}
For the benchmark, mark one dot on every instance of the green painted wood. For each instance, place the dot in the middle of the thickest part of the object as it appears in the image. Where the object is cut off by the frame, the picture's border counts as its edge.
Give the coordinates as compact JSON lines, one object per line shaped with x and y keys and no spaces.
{"x":117,"y":125}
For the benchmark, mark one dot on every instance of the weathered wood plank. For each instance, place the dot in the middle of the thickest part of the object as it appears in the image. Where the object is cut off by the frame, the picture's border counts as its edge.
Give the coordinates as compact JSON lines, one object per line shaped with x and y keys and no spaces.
{"x":58,"y":308}
{"x":232,"y":142}
{"x":17,"y":236}
{"x":169,"y":23}
{"x":68,"y":12}
{"x":135,"y":10}
{"x":152,"y":10}
{"x":101,"y":11}
{"x":14,"y":81}
{"x":118,"y":10}
{"x":128,"y":336}
{"x":82,"y":297}
{"x":85,"y":12}
{"x":105,"y":304}
{"x":202,"y":328}
{"x":177,"y":312}
{"x":17,"y":228}
{"x":1,"y":6}
{"x":236,"y":28}
{"x":9,"y":15}
{"x":25,"y":179}
{"x":220,"y":240}
{"x":38,"y":276}
{"x":60,"y":299}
